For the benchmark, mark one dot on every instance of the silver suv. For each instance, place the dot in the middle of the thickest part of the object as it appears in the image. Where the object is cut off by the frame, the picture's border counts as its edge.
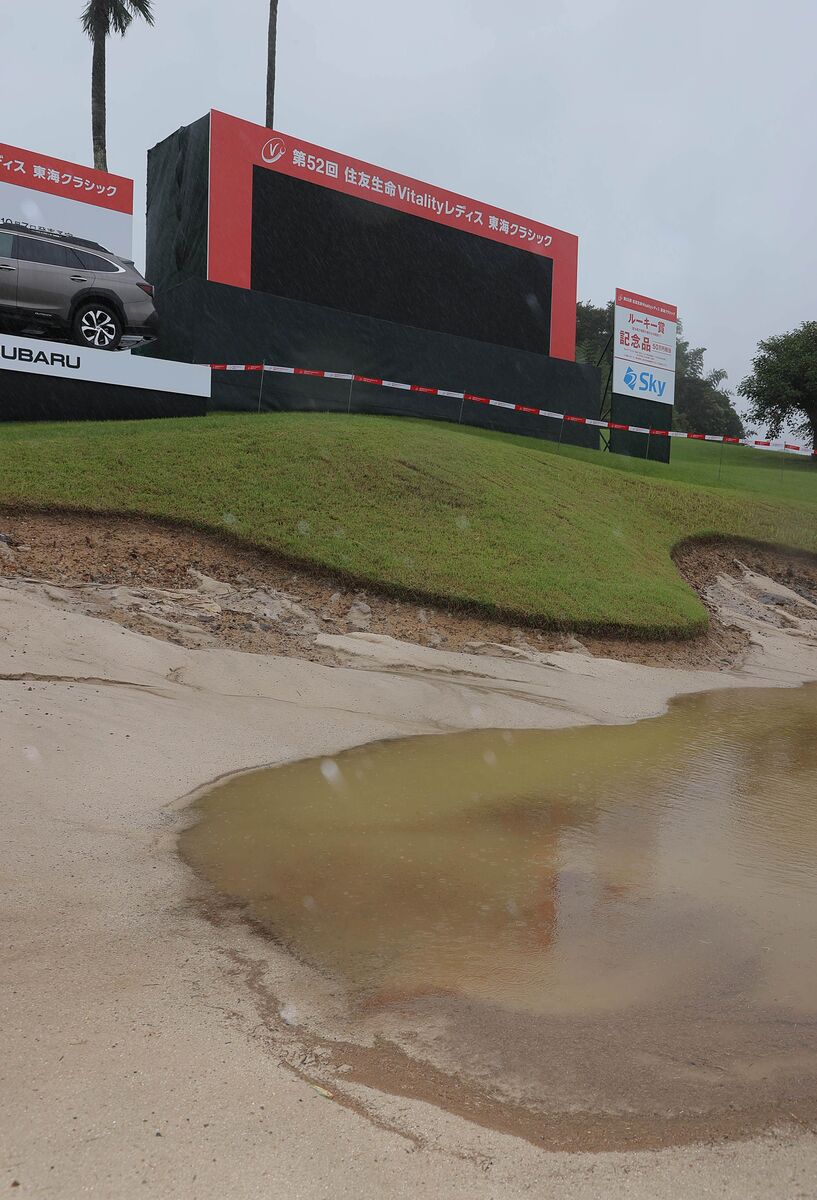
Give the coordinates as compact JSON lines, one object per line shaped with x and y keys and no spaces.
{"x":61,"y":284}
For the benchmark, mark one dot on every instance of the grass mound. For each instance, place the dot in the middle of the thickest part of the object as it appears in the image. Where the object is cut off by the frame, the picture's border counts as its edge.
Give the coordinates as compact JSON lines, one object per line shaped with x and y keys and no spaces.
{"x":569,"y":539}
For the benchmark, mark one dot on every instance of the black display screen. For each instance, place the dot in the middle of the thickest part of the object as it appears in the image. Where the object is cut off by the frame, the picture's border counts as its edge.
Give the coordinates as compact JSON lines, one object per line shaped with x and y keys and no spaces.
{"x":313,"y":244}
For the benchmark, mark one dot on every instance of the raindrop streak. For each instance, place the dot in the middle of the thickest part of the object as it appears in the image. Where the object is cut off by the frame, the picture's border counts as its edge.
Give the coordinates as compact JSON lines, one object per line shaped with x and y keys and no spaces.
{"x":289,"y":1014}
{"x":330,"y":771}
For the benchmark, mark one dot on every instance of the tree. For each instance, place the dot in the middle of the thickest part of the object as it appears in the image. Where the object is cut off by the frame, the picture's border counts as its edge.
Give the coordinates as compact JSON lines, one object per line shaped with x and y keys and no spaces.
{"x":272,"y":42}
{"x":782,"y":390}
{"x":100,"y":19}
{"x":594,"y":332}
{"x":702,"y":404}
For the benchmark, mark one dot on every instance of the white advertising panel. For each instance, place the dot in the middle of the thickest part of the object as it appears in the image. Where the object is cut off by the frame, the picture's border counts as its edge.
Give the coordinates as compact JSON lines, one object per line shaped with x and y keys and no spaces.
{"x":644,"y":345}
{"x":61,"y":197}
{"x":115,"y":368}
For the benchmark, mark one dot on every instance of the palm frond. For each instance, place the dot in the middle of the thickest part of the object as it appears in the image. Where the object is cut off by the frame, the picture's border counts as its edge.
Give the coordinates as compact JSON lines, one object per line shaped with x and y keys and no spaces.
{"x":143,"y":9}
{"x":94,"y":19}
{"x":101,"y":18}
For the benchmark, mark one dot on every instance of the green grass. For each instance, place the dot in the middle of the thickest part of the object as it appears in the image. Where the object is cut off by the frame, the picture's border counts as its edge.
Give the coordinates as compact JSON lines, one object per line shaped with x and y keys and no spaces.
{"x":569,"y":538}
{"x":707,"y":464}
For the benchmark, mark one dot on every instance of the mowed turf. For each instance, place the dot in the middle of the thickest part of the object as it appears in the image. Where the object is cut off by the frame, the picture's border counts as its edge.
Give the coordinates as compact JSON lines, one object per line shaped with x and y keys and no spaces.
{"x":567,"y":539}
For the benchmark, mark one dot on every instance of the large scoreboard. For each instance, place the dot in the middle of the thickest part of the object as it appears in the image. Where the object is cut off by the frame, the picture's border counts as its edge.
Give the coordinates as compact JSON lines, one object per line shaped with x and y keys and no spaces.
{"x":266,"y":247}
{"x":298,"y":220}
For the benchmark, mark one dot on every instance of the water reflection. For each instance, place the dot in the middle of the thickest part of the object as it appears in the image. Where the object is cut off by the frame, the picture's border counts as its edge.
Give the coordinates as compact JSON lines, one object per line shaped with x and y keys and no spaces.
{"x":670,"y":863}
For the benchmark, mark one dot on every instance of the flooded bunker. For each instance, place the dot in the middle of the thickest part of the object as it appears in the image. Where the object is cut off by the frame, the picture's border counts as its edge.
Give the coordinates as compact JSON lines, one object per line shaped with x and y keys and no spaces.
{"x":600,"y":922}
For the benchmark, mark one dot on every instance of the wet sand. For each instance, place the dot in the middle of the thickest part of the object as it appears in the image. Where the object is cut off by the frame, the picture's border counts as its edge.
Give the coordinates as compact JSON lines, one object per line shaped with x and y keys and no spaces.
{"x":147,"y":1041}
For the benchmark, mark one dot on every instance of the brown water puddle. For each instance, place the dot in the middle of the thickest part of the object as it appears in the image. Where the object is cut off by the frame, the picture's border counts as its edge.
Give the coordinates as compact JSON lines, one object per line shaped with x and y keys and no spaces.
{"x":614,"y":922}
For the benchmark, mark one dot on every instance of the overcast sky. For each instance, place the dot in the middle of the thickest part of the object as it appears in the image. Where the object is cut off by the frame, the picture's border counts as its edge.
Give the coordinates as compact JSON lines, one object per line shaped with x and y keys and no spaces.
{"x":676,"y":139}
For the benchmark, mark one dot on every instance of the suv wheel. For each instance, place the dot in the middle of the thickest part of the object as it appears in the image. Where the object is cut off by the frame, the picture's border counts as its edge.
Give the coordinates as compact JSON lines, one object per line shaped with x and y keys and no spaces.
{"x":96,"y":325}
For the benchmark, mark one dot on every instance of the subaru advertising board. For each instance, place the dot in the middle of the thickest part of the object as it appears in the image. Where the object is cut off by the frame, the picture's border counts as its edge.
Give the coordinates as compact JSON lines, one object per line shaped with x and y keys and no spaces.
{"x":644,"y":347}
{"x":81,"y":363}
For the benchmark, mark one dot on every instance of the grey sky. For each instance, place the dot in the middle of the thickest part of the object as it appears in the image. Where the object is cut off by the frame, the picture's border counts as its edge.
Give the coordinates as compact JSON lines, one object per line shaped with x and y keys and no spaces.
{"x":677,"y":140}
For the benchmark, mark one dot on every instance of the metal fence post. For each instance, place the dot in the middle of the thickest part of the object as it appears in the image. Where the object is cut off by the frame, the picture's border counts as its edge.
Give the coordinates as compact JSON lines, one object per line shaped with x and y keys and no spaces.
{"x":261,"y":387}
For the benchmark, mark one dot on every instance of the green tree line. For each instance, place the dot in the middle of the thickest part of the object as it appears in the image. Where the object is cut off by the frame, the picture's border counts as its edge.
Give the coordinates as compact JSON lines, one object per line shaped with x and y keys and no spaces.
{"x":782,"y":389}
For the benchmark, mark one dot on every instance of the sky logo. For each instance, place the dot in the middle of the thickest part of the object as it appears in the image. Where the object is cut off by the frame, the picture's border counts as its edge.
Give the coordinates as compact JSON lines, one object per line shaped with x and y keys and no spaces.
{"x":645,"y":382}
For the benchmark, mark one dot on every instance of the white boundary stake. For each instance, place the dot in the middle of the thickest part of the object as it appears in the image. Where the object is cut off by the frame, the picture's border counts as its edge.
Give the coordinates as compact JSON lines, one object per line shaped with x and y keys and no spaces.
{"x":779,"y":445}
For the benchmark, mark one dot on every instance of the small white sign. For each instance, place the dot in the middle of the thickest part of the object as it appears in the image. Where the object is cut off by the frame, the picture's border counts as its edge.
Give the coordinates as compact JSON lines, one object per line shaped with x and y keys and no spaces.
{"x":644,"y":346}
{"x":114,"y":367}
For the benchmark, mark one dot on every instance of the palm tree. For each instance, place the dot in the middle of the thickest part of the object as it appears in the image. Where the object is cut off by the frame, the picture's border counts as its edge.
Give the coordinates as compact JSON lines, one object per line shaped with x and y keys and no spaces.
{"x":101,"y":18}
{"x":272,"y":39}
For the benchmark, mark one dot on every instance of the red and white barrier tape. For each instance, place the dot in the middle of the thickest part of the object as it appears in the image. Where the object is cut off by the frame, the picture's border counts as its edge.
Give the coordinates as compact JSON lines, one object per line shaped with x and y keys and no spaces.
{"x":782,"y":446}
